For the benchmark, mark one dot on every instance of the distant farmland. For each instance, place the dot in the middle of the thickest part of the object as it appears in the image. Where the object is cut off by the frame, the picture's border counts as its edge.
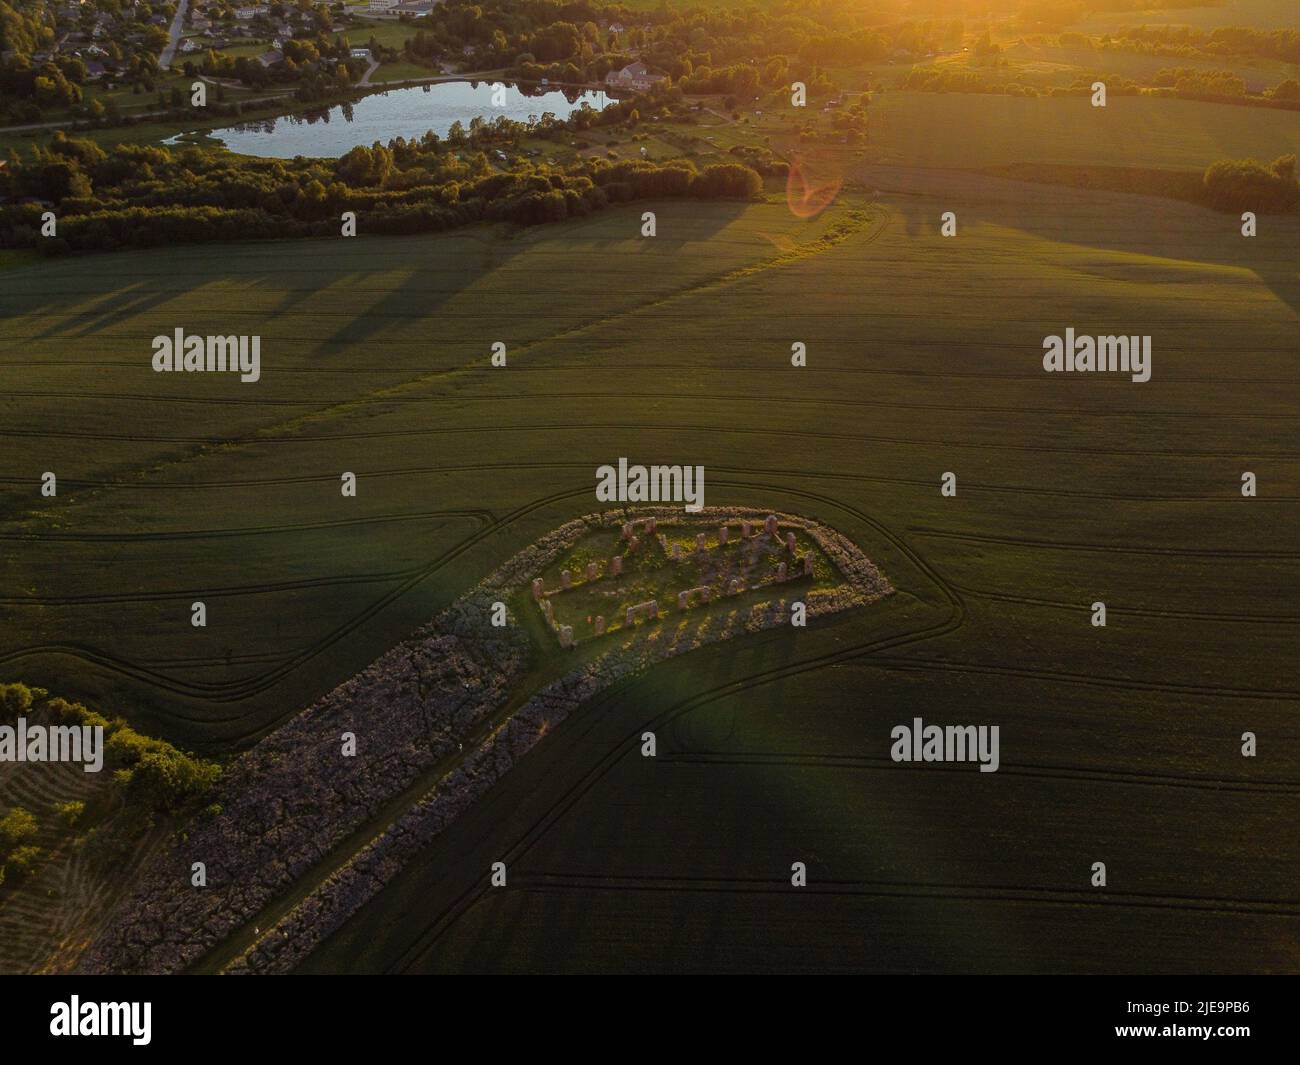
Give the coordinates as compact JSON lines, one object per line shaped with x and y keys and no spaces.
{"x":1120,"y":744}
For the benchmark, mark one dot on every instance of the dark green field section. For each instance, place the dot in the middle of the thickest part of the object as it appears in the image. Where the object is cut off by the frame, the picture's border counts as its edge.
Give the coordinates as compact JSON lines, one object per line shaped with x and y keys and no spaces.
{"x":1119,"y":744}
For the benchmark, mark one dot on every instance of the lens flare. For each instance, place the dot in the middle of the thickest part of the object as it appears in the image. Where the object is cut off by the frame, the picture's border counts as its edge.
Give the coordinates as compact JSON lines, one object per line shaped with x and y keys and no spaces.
{"x":812,"y":185}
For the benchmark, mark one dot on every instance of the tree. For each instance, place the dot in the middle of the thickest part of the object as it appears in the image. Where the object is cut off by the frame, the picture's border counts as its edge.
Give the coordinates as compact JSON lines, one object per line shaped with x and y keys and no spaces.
{"x":17,"y":826}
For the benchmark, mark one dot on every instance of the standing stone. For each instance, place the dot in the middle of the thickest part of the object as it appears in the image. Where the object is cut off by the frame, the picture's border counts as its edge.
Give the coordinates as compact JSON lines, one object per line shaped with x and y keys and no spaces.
{"x":771,"y":525}
{"x":807,"y":566}
{"x":706,"y":594}
{"x":735,"y":587}
{"x":566,"y":579}
{"x":600,"y":625}
{"x":537,"y":588}
{"x":566,"y":635}
{"x":699,"y":541}
{"x":780,"y":572}
{"x":789,"y":542}
{"x":650,"y":525}
{"x":677,"y":552}
{"x":682,"y":599}
{"x":648,"y":609}
{"x":632,"y":545}
{"x":547,"y":609}
{"x":746,"y":530}
{"x":592,"y":570}
{"x":722,"y":536}
{"x":616,"y":566}
{"x":627,"y":531}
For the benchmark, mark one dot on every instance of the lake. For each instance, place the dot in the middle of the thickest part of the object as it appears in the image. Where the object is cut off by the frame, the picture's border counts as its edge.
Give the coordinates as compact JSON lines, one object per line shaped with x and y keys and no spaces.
{"x":410,"y":113}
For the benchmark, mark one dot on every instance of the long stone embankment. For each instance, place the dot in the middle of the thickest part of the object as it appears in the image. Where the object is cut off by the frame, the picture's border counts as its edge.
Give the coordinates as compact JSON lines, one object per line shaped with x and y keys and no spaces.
{"x":288,"y":803}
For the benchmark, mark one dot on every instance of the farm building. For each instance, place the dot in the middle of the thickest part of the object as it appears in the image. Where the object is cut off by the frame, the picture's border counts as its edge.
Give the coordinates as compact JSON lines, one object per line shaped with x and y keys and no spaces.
{"x":635,"y":76}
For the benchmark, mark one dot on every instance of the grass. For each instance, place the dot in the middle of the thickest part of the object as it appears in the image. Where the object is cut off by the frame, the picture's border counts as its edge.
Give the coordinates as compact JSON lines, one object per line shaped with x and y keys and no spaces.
{"x":402,"y":71}
{"x":651,"y":573}
{"x":932,"y":129}
{"x":1119,"y":744}
{"x":388,"y":32}
{"x":1257,"y":14}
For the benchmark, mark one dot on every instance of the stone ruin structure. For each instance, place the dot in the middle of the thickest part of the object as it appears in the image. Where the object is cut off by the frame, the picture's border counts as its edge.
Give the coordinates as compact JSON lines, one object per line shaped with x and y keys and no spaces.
{"x":647,"y":610}
{"x":702,"y":593}
{"x":634,"y":535}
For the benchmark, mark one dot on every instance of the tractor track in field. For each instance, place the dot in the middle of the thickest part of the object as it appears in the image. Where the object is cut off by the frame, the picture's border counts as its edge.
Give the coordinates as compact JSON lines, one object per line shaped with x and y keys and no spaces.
{"x":270,"y":588}
{"x":815,"y":475}
{"x":639,"y":427}
{"x":346,"y":405}
{"x":915,"y":890}
{"x":1129,"y":611}
{"x":248,"y":530}
{"x":1135,"y":777}
{"x":234,"y":691}
{"x":554,"y":367}
{"x":1122,"y":549}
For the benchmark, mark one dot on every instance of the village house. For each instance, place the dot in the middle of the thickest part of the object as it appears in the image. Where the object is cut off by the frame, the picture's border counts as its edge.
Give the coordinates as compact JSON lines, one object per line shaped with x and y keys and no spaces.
{"x":635,"y":77}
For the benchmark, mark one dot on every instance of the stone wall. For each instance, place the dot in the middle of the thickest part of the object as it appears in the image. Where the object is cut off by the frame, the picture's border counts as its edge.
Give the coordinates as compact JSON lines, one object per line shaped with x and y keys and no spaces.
{"x":291,"y":800}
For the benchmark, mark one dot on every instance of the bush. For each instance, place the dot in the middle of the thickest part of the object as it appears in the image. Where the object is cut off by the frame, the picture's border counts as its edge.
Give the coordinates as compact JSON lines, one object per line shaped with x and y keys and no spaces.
{"x":15,"y":701}
{"x":1247,"y":185}
{"x":15,"y":827}
{"x":23,"y":860}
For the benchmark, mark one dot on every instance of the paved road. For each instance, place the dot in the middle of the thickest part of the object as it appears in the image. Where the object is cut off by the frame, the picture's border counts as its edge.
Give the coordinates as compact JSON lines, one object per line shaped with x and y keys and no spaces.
{"x":174,"y":35}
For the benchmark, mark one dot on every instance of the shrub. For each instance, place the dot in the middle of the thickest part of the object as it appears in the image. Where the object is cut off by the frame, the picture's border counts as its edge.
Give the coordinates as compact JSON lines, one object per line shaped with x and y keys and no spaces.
{"x":1248,"y":185}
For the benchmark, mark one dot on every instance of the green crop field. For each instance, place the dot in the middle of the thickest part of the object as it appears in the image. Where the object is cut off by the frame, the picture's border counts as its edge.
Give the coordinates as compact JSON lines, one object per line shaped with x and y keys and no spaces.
{"x":650,"y":810}
{"x":1119,"y":744}
{"x":1258,"y":14}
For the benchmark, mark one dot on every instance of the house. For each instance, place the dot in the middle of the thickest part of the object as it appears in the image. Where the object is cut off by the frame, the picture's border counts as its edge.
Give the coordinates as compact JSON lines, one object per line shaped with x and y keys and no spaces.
{"x":247,"y":14}
{"x":359,"y":53}
{"x":382,"y":5}
{"x":635,"y":76}
{"x":269,"y":59}
{"x":414,"y":8}
{"x":94,"y":70}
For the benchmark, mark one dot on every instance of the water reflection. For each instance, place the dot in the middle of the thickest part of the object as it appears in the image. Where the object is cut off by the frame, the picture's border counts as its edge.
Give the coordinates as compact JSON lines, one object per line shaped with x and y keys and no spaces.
{"x":409,"y":113}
